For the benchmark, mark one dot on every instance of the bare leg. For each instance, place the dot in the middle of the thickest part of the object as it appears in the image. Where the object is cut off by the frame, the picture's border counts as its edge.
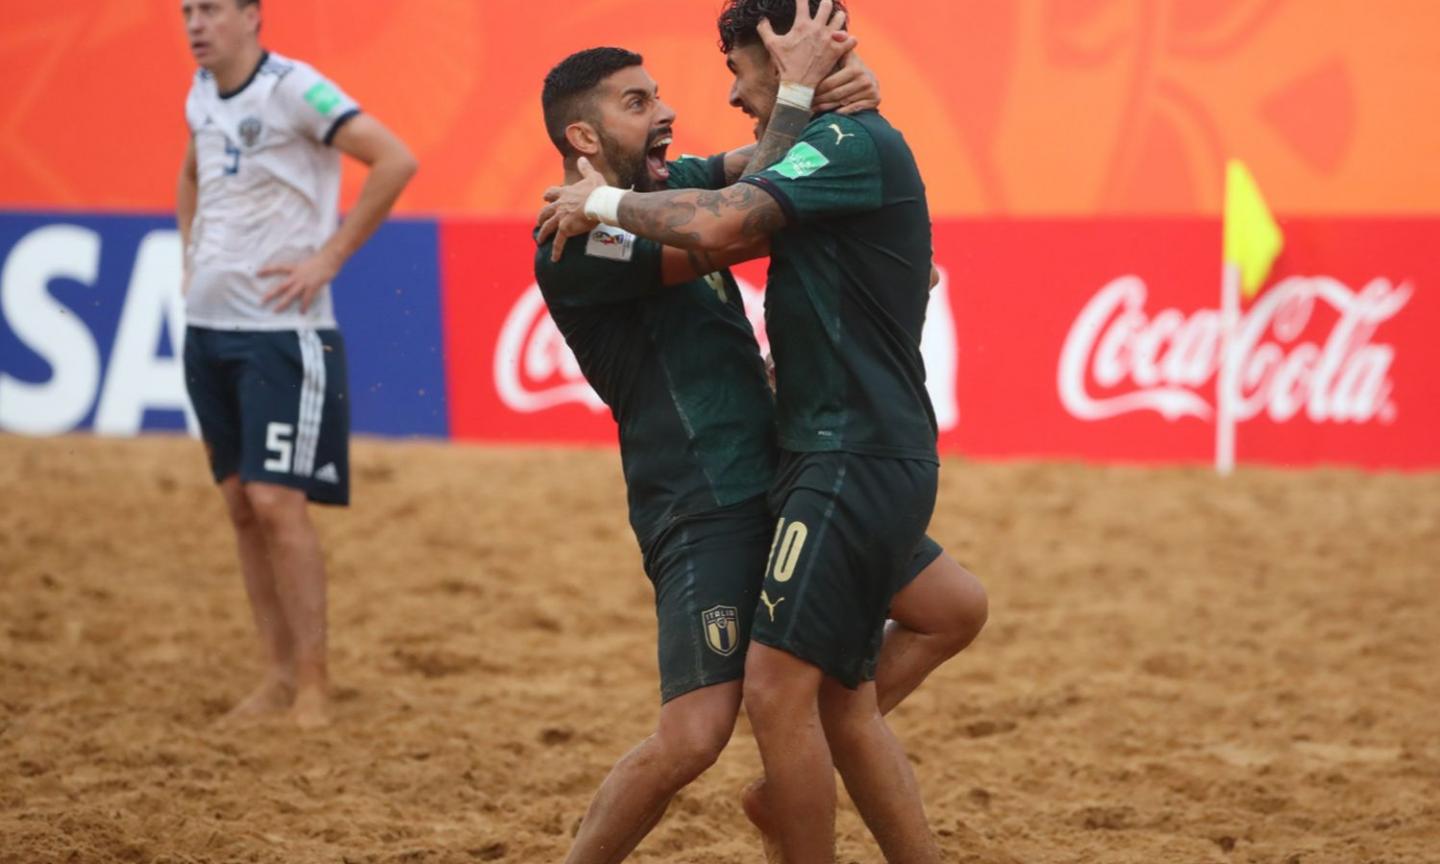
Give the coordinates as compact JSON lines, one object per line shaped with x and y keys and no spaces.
{"x":757,"y":809}
{"x":693,"y":730}
{"x":876,"y":773}
{"x":781,"y":698}
{"x":299,"y":568}
{"x":277,"y":687}
{"x":935,"y":617}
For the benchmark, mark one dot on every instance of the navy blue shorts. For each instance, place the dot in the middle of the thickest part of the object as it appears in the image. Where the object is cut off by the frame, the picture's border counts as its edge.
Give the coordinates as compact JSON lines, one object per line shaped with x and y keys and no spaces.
{"x":273,"y":407}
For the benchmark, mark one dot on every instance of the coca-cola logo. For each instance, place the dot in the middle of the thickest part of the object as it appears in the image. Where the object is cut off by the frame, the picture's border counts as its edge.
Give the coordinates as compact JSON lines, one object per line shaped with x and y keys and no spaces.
{"x":1118,"y":358}
{"x":535,"y":370}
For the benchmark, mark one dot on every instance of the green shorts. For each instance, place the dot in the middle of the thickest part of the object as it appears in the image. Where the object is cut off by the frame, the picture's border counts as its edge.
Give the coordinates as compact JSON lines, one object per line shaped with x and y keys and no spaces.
{"x":706,"y":570}
{"x":924,"y":555}
{"x":851,"y":533}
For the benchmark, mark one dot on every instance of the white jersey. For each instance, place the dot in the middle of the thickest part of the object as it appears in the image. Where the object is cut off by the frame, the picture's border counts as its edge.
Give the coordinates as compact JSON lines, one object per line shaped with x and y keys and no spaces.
{"x":269,"y":191}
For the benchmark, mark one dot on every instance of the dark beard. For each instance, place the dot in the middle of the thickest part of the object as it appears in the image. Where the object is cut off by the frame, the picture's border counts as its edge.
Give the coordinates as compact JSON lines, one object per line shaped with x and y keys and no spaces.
{"x":631,"y":170}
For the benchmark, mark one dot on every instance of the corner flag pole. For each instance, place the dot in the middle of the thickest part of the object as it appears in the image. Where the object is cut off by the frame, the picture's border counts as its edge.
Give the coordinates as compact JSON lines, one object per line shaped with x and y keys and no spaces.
{"x":1252,"y":241}
{"x":1229,"y":374}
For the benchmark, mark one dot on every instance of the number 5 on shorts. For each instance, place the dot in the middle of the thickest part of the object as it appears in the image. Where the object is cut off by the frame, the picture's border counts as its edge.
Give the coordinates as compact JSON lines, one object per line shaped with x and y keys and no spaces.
{"x":785,"y":549}
{"x":277,"y":442}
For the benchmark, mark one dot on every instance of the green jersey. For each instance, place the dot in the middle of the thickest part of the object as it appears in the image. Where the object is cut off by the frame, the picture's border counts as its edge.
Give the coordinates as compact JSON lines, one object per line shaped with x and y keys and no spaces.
{"x":848,"y":286}
{"x":678,"y":366}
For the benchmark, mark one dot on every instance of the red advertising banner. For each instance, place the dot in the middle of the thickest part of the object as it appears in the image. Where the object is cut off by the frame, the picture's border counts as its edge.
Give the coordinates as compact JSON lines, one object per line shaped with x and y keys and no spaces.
{"x":1102,"y":340}
{"x":1096,"y":340}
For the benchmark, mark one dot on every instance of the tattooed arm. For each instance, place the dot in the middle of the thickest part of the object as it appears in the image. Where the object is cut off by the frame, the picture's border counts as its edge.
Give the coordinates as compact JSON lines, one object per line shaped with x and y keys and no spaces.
{"x":714,"y":223}
{"x":710,"y":223}
{"x":786,"y":124}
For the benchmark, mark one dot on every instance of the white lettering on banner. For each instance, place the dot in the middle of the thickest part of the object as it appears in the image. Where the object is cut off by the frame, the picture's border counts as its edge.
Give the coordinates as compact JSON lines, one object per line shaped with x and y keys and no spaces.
{"x":535,"y":370}
{"x":135,"y":380}
{"x":1160,"y":363}
{"x":49,"y":329}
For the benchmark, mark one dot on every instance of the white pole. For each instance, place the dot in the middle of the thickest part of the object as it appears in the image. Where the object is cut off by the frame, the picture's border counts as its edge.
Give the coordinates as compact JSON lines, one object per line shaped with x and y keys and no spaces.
{"x":1228,"y":386}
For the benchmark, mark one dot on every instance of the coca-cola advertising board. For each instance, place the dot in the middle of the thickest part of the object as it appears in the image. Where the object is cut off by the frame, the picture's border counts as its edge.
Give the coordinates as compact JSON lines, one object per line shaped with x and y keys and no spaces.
{"x":1101,"y":340}
{"x":1079,"y":339}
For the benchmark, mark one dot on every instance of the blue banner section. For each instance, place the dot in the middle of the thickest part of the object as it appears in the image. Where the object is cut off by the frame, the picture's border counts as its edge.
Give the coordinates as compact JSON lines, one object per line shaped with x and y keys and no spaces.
{"x":91,"y":318}
{"x":387,"y":300}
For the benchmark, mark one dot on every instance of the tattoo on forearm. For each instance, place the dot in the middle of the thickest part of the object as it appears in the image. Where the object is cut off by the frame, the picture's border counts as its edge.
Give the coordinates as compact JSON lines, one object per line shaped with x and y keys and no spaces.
{"x":786,"y":124}
{"x":677,"y":218}
{"x":710,"y":201}
{"x":659,"y":216}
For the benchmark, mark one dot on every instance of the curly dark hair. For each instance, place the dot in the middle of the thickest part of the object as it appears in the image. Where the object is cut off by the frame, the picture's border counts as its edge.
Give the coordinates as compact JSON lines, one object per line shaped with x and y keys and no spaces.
{"x":740,"y":19}
{"x":568,"y":87}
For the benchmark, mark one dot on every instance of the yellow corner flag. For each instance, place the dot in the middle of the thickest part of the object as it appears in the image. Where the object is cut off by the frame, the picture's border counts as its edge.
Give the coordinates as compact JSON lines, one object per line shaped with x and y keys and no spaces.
{"x":1252,"y":239}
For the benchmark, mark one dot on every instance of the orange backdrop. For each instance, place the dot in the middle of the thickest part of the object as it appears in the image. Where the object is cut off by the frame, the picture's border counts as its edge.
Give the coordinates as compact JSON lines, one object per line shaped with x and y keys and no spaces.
{"x":1014,"y":107}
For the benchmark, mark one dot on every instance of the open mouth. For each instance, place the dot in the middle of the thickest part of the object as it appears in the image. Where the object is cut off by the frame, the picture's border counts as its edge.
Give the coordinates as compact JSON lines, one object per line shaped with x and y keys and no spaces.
{"x":655,"y":158}
{"x":199,"y":47}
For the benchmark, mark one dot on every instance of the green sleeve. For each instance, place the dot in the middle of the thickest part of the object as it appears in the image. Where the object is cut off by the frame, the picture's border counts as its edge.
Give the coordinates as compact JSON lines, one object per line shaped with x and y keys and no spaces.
{"x":697,"y":172}
{"x":606,"y":266}
{"x":833,"y":170}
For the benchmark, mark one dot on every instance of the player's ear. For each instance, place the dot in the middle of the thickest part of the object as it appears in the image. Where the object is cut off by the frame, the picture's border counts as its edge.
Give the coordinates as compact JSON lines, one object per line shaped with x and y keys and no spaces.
{"x":251,"y":13}
{"x":583,"y":138}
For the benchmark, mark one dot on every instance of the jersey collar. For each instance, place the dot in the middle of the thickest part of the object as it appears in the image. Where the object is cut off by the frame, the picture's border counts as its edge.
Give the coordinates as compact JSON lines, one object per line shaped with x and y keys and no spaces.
{"x":264,"y":56}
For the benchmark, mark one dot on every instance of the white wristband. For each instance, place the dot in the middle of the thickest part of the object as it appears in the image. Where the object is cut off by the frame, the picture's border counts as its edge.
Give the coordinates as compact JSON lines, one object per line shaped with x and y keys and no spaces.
{"x":796,"y":95}
{"x":603,"y":205}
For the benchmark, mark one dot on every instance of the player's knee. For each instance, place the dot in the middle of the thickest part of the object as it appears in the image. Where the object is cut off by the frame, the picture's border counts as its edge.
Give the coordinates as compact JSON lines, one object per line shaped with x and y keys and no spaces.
{"x":772,"y":691}
{"x":691,"y":748}
{"x":958,"y":613}
{"x":275,"y":508}
{"x":847,"y":715}
{"x":242,"y":515}
{"x":969,"y":616}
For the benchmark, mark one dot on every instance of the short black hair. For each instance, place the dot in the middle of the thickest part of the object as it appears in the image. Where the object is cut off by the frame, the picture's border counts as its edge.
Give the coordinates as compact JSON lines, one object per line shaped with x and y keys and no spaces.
{"x":565,"y":98}
{"x":740,"y":19}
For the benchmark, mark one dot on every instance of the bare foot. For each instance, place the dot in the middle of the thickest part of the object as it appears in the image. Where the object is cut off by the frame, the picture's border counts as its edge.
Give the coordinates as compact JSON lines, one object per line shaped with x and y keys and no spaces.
{"x":311,"y":709}
{"x":752,"y":801}
{"x":271,"y":697}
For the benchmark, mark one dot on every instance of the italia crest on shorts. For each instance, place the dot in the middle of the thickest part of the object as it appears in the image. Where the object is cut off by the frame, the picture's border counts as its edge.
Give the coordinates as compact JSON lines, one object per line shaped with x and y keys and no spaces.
{"x":722,"y":629}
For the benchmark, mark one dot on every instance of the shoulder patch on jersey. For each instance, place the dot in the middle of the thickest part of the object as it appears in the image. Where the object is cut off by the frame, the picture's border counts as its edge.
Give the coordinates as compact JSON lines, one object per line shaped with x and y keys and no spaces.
{"x":614,"y":244}
{"x":802,"y":161}
{"x":322,"y":97}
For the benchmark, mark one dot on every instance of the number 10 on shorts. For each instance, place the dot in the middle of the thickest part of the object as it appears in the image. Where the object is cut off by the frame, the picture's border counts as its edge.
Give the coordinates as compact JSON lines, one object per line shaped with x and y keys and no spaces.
{"x":785,"y":549}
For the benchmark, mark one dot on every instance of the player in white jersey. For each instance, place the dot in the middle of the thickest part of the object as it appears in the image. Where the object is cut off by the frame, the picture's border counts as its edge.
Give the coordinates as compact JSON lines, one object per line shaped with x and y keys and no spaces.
{"x":264,"y":363}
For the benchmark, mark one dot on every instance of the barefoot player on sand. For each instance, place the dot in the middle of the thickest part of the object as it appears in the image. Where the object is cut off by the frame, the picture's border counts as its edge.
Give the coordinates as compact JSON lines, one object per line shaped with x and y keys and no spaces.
{"x":257,"y":206}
